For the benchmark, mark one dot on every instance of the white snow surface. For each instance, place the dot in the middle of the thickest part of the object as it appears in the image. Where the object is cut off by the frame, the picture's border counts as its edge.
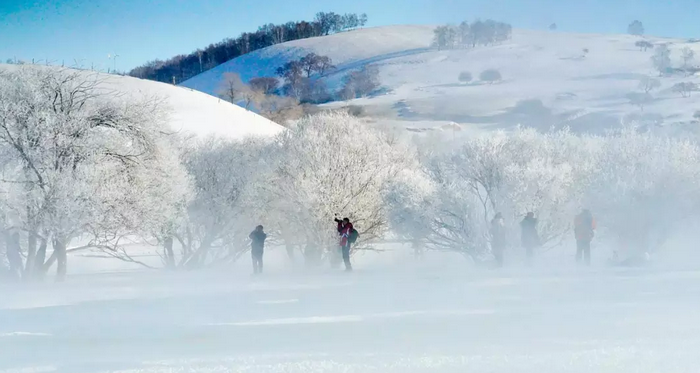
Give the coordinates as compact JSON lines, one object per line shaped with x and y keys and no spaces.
{"x":190,"y":112}
{"x":399,"y":316}
{"x":583,"y":90}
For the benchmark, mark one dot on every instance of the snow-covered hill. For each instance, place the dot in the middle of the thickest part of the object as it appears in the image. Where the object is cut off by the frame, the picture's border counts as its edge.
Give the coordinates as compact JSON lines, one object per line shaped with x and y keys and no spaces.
{"x":190,"y":112}
{"x":549,"y":78}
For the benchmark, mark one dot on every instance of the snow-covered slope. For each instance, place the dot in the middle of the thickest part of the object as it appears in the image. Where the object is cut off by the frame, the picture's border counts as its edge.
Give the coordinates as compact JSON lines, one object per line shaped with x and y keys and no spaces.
{"x":349,"y":49}
{"x":549,"y":78}
{"x":191,"y":112}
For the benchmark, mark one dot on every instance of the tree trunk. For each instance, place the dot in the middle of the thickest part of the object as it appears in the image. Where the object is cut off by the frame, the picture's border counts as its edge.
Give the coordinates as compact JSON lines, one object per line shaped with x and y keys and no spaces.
{"x":59,"y":248}
{"x":31,"y":256}
{"x":169,"y":253}
{"x":39,"y":270}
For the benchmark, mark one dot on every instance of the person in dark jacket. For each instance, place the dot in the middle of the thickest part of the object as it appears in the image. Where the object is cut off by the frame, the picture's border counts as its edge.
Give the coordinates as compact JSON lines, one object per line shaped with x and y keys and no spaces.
{"x":584,"y":230}
{"x":344,"y":230}
{"x":529,"y":236}
{"x":257,"y":245}
{"x":498,"y":238}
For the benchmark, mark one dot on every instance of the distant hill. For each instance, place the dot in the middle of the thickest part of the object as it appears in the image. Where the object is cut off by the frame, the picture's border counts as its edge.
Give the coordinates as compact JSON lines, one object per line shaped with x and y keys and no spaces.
{"x":549,"y":79}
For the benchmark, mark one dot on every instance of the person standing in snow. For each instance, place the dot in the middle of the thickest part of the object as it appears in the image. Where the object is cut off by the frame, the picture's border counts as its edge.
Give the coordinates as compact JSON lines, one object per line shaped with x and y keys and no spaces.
{"x":584,"y":230}
{"x":498,"y":238}
{"x":345,"y":229}
{"x":529,"y":236}
{"x":257,"y":245}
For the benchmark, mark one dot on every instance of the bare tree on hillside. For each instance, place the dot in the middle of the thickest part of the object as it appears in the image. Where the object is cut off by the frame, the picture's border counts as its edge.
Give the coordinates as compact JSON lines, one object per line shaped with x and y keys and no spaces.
{"x":635,"y":28}
{"x":267,"y":85}
{"x":293,"y":73}
{"x":233,"y":89}
{"x":312,"y":63}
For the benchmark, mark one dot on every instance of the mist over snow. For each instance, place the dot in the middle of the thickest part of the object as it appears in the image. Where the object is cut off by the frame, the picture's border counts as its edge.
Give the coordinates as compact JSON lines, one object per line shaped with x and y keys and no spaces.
{"x":128,"y":205}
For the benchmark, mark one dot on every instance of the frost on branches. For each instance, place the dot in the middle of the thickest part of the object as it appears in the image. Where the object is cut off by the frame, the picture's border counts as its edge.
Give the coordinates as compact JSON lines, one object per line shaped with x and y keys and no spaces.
{"x":331,"y":165}
{"x":632,"y":181}
{"x":80,"y":164}
{"x":222,"y":210}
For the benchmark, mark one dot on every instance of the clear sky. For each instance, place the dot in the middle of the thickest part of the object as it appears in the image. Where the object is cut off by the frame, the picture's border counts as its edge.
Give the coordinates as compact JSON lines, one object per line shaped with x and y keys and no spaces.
{"x":87,"y":31}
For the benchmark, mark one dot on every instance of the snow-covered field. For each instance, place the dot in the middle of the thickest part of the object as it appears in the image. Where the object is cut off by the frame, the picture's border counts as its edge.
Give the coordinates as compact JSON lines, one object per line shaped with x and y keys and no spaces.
{"x":440,"y":315}
{"x":578,"y":80}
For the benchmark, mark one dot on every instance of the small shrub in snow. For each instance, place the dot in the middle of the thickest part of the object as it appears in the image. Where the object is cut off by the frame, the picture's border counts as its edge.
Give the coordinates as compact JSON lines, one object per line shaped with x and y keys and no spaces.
{"x":490,"y":76}
{"x":644,"y":45}
{"x":465,"y":77}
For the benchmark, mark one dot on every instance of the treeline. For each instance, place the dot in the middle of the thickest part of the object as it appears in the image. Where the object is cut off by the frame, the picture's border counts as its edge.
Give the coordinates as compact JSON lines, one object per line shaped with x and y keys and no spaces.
{"x":471,"y":35}
{"x":185,"y":66}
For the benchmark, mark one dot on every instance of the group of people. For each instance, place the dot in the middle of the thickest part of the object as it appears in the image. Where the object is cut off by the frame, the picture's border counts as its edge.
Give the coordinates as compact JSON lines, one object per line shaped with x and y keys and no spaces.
{"x":584,"y":230}
{"x":346,"y":231}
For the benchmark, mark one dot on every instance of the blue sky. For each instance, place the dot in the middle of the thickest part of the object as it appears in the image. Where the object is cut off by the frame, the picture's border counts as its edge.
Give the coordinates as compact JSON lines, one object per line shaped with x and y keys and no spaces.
{"x":87,"y":31}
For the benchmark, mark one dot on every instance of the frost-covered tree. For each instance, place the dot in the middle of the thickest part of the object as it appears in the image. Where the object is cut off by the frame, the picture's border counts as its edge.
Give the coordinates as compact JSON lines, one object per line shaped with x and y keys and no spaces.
{"x":219,"y":214}
{"x":81,"y":162}
{"x":662,"y":59}
{"x":643,"y":186}
{"x":635,"y":28}
{"x":332,"y":164}
{"x":507,"y":173}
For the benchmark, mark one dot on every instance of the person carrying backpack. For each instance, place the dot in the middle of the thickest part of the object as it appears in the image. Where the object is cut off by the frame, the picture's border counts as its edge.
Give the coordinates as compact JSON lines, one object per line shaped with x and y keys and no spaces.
{"x":584,"y":230}
{"x":348,"y":236}
{"x":257,"y":245}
